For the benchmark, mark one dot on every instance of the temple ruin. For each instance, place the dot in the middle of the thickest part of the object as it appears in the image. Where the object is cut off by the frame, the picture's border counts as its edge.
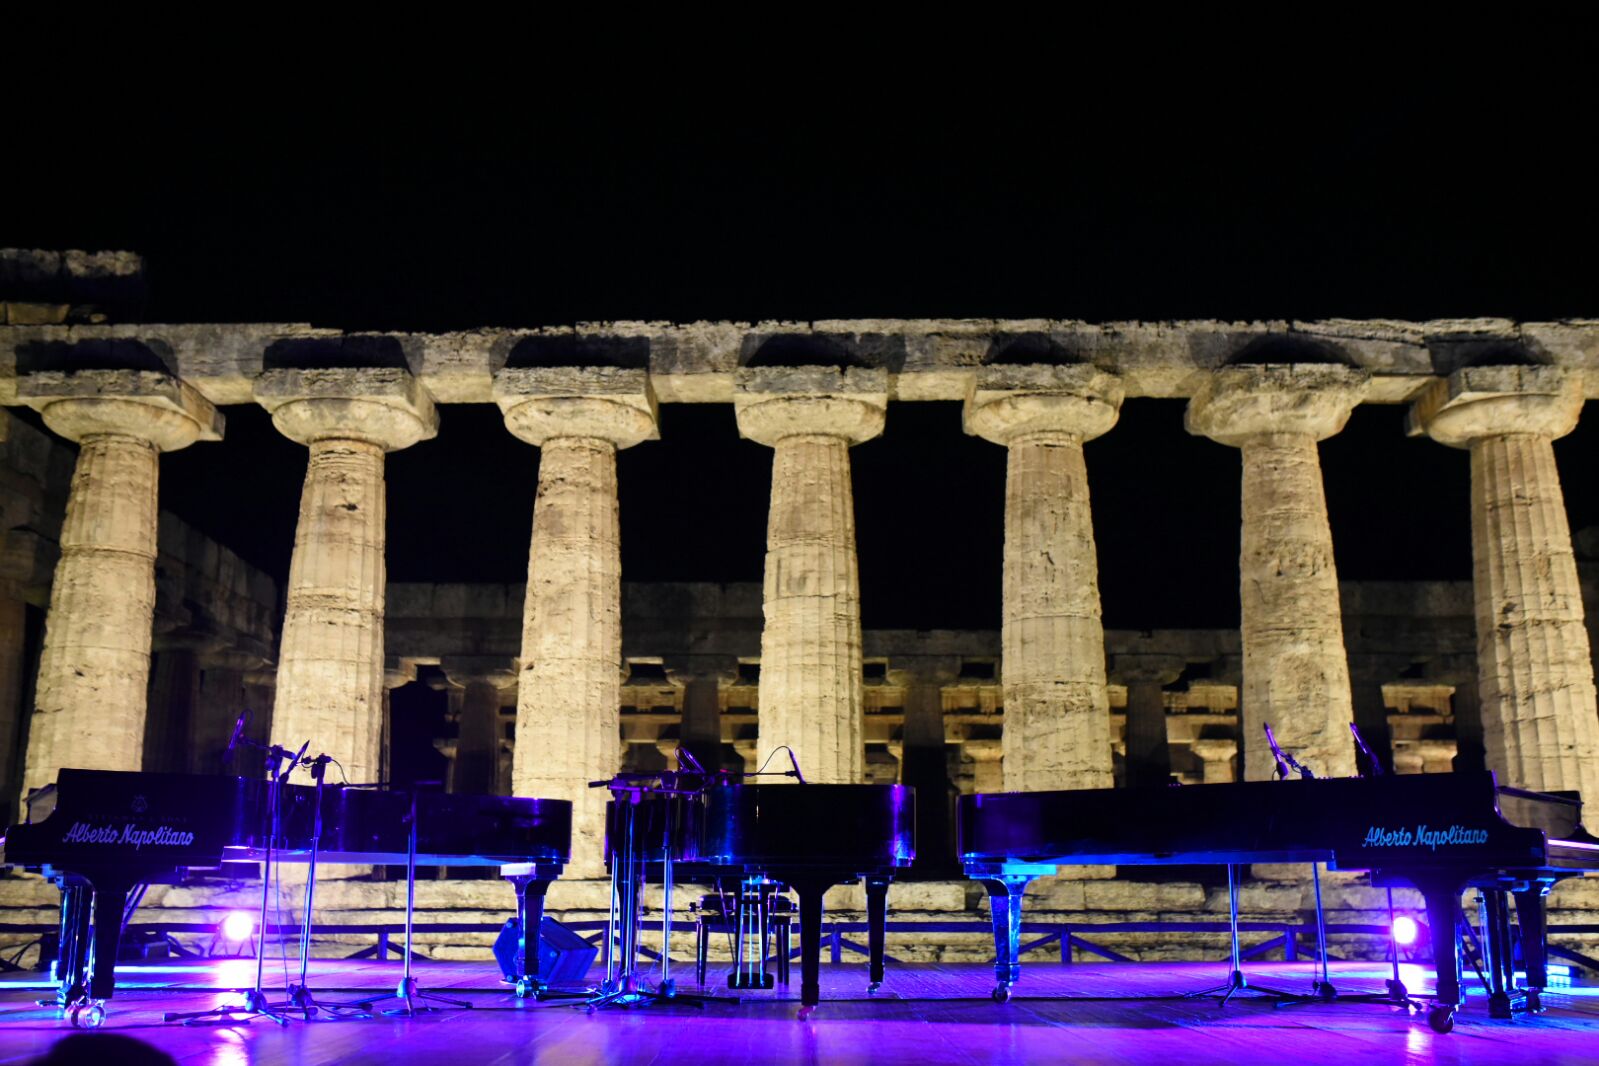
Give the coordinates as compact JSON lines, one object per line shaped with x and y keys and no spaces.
{"x":129,"y":640}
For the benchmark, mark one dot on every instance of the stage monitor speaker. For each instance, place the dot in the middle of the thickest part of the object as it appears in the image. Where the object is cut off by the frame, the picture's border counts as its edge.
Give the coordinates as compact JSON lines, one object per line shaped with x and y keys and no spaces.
{"x":562,"y":954}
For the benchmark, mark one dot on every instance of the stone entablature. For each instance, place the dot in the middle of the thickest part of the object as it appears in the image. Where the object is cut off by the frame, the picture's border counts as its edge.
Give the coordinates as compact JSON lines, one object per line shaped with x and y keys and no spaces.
{"x":924,"y":359}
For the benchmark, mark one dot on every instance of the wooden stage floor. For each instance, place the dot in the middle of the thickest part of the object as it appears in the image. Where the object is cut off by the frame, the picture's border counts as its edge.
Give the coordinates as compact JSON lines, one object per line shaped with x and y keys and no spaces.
{"x":924,"y":1014}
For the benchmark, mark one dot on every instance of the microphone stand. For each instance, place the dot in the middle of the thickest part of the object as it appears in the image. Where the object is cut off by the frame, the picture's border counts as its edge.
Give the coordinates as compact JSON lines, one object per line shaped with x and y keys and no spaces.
{"x":255,"y":1001}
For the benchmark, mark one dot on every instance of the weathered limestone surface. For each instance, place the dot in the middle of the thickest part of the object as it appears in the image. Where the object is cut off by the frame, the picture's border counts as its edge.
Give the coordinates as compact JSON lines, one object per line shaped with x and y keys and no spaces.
{"x":571,"y":663}
{"x":810,"y":687}
{"x":1296,"y":672}
{"x":95,"y":665}
{"x":1535,"y":671}
{"x":1057,"y":718}
{"x":330,"y":667}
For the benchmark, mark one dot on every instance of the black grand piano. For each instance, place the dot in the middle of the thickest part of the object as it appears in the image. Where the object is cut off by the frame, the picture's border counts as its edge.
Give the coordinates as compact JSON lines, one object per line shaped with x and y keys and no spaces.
{"x":100,"y":833}
{"x":807,"y":836}
{"x":1438,"y":832}
{"x":812,"y":837}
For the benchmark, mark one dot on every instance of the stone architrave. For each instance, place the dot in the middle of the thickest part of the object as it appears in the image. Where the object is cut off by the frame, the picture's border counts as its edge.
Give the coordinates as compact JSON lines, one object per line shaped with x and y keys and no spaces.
{"x":811,"y":696}
{"x":1296,"y":671}
{"x":1057,"y":712}
{"x":1535,"y":675}
{"x":568,"y":706}
{"x":94,"y":669}
{"x":330,"y":665}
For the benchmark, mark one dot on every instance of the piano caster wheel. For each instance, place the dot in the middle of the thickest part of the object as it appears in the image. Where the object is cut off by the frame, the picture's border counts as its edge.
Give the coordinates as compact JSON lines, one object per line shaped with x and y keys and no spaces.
{"x":1534,"y":1001}
{"x":1441,"y":1019}
{"x":1001,"y":994}
{"x":89,"y":1014}
{"x":527,"y":988}
{"x":807,"y":1012}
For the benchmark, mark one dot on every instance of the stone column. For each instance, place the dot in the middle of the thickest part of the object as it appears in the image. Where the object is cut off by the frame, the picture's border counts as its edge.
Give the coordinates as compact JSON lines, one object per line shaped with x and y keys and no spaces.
{"x":811,"y":695}
{"x":330,"y":666}
{"x":1057,"y":714}
{"x":1535,"y":675}
{"x":1471,"y":752}
{"x":988,"y":764}
{"x":94,"y":670}
{"x":1217,"y":756}
{"x":570,"y":671}
{"x":477,"y":686}
{"x":13,"y":656}
{"x":924,"y":761}
{"x":1296,"y":672}
{"x":701,"y":728}
{"x":1148,"y":751}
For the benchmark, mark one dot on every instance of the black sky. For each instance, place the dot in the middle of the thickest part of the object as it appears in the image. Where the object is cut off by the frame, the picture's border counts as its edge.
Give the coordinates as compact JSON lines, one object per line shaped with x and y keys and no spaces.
{"x":1401,"y":205}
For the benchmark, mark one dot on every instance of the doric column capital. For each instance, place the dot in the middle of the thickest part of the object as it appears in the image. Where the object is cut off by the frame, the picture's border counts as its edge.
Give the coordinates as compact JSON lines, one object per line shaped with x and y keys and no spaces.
{"x":381,"y":406}
{"x":1134,"y":667}
{"x":1004,"y":403}
{"x":1237,"y":403}
{"x":1478,"y":402}
{"x":463,"y":670}
{"x":772,"y":403}
{"x":596,"y":403}
{"x":1214,"y":749}
{"x":150,"y":405}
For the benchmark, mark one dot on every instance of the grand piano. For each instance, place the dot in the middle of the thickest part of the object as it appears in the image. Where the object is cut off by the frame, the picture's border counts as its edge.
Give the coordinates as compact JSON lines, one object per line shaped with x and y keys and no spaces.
{"x":100,"y":833}
{"x":1440,"y":833}
{"x":812,"y":837}
{"x":807,"y":836}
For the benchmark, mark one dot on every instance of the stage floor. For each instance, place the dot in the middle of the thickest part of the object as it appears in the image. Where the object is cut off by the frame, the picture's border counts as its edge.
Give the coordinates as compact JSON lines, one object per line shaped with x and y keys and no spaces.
{"x":924,"y":1014}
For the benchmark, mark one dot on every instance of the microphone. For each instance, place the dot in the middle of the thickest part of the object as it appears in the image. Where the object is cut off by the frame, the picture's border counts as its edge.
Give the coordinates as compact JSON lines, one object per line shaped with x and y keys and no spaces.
{"x":1376,"y":769}
{"x":1284,"y":760}
{"x":1277,"y":754}
{"x":684,"y":756}
{"x":239,"y":725}
{"x":794,"y":762}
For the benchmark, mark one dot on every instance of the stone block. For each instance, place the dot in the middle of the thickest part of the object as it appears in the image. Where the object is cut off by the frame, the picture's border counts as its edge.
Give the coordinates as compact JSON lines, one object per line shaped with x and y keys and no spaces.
{"x":1142,"y":895}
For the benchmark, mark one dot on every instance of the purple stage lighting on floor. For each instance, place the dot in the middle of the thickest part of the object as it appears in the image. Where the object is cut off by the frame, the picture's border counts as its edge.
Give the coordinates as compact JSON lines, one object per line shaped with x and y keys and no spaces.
{"x":1405,"y":930}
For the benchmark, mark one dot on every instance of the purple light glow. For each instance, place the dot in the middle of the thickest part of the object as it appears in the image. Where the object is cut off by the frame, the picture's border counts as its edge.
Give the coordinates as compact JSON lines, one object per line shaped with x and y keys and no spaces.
{"x":1405,"y":930}
{"x":238,"y":925}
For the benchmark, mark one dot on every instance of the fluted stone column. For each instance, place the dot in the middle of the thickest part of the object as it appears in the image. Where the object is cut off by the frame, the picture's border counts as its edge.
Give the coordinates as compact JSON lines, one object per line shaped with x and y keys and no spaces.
{"x":1148,"y":749}
{"x":1296,"y":672}
{"x":330,"y":665}
{"x":475,"y":686}
{"x":1057,"y":713}
{"x":1535,"y":674}
{"x":1216,"y":755}
{"x":570,"y":671}
{"x":94,"y":670}
{"x":811,"y":688}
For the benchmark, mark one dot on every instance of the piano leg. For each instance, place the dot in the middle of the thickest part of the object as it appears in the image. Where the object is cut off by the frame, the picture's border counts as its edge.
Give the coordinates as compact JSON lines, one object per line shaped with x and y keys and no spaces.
{"x":97,"y":983}
{"x":1501,"y":961}
{"x":876,"y":920}
{"x":72,"y":956}
{"x":531,"y":905}
{"x":1533,"y":920}
{"x":1442,"y":895}
{"x":1005,"y":892}
{"x":810,"y":907}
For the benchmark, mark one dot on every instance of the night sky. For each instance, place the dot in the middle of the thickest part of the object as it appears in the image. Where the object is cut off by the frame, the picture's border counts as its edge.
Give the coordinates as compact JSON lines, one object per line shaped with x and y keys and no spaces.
{"x":1402,"y":206}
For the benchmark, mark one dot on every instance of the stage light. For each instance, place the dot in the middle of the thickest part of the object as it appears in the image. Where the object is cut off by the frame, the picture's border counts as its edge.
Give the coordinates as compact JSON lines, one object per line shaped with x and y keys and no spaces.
{"x":1405,"y":930}
{"x":237,"y":926}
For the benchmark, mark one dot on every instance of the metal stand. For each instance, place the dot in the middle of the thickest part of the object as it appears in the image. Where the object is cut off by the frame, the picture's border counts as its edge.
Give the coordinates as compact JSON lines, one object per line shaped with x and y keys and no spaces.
{"x":625,"y":983}
{"x":407,"y":991}
{"x":255,"y":1001}
{"x":1236,"y":981}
